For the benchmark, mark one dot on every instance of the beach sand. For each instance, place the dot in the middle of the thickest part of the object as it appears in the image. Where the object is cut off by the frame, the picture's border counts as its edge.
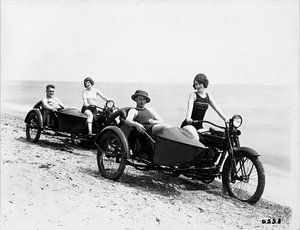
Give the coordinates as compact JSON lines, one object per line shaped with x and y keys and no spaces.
{"x":55,"y":185}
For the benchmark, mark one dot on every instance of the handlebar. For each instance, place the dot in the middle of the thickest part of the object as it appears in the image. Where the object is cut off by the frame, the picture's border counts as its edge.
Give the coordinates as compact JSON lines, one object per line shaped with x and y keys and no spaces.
{"x":203,"y":121}
{"x":98,"y":107}
{"x":105,"y":106}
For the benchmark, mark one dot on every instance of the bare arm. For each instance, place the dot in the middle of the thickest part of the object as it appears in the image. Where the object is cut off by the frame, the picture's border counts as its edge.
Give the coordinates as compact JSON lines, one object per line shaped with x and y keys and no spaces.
{"x":192,"y":98}
{"x":100,"y":94}
{"x":157,"y":119}
{"x":130,"y":120}
{"x":217,"y":108}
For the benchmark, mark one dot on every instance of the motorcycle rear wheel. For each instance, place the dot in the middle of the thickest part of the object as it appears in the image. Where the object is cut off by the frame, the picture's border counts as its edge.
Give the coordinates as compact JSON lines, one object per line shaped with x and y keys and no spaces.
{"x":33,"y":128}
{"x":111,"y":157}
{"x":249,"y":184}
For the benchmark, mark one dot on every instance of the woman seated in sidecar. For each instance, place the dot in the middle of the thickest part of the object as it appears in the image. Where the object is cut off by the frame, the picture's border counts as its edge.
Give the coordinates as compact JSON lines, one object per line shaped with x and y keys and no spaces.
{"x":142,"y":118}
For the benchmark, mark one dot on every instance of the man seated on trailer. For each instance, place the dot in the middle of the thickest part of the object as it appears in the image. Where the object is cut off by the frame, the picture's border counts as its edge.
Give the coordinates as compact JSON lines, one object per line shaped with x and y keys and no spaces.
{"x":50,"y":104}
{"x":142,"y":118}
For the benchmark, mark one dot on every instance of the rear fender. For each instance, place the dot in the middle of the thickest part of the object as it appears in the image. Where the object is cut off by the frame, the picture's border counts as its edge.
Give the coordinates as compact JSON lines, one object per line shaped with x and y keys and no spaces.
{"x":251,"y":152}
{"x":120,"y":134}
{"x":38,"y":113}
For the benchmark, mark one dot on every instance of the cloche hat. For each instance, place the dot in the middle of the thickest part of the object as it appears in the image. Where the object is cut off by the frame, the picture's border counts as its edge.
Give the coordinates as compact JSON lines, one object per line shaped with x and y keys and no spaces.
{"x":88,"y":79}
{"x":141,"y":93}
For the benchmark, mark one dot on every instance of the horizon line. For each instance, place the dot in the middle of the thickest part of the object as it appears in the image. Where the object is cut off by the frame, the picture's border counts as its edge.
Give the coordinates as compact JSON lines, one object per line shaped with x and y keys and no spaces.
{"x":129,"y":82}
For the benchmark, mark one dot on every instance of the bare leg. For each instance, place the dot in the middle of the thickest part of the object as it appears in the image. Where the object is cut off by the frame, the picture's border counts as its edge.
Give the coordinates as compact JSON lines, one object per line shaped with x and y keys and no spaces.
{"x":89,"y":120}
{"x":90,"y":127}
{"x":159,"y":127}
{"x":192,"y":130}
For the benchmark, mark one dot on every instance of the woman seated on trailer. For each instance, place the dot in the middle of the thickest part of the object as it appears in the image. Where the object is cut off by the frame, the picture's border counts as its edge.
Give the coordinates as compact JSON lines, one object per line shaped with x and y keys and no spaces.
{"x":142,"y":118}
{"x":198,"y":102}
{"x":89,"y":96}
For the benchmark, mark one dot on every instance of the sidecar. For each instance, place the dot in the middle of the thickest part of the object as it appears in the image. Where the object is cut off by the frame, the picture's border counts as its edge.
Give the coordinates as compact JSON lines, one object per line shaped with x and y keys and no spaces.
{"x":69,"y":122}
{"x":121,"y":145}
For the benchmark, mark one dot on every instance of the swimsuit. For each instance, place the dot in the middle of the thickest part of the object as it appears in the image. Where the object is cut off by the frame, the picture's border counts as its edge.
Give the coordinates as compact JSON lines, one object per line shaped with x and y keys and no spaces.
{"x":143,"y":116}
{"x":199,"y":110}
{"x":89,"y":94}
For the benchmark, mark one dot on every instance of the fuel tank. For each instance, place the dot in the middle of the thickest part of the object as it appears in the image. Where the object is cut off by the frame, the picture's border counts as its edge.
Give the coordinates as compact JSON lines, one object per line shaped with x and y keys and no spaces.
{"x":72,"y":120}
{"x":175,"y":146}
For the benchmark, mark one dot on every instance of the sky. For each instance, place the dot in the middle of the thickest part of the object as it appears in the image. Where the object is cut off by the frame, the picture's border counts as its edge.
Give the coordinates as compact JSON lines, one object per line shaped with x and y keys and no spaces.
{"x":232,"y":42}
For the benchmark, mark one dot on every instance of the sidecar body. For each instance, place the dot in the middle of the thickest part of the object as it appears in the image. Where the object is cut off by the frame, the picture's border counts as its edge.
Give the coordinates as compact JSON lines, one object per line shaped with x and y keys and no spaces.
{"x":71,"y":120}
{"x":174,"y":146}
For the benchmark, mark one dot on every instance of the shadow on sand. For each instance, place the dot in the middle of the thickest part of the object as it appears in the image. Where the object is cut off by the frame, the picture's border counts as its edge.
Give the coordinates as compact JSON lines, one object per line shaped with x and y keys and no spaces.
{"x":55,"y":144}
{"x":158,"y":183}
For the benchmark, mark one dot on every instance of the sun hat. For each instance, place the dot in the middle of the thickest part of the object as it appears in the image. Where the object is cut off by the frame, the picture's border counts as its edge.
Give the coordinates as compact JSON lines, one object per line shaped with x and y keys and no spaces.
{"x":141,"y":93}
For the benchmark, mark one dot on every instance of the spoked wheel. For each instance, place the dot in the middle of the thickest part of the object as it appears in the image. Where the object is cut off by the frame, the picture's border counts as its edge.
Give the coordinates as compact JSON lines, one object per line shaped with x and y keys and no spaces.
{"x":249,"y":183}
{"x":111,"y":155}
{"x":33,"y":128}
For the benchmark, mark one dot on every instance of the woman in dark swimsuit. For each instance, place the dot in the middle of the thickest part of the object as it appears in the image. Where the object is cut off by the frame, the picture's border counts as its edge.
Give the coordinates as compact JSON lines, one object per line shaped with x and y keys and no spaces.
{"x":198,"y":103}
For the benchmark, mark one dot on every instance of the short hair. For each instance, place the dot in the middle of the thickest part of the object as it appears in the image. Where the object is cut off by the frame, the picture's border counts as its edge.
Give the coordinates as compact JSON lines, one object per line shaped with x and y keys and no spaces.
{"x":200,"y":79}
{"x":88,"y":79}
{"x":50,"y":86}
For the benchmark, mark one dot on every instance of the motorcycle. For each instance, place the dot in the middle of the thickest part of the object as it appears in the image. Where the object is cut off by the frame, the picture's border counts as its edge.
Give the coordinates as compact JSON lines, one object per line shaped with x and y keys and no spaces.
{"x":217,"y":154}
{"x":69,"y":122}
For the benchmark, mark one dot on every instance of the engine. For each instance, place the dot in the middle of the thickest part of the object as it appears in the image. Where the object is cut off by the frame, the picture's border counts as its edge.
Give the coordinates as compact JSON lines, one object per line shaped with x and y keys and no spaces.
{"x":210,"y":157}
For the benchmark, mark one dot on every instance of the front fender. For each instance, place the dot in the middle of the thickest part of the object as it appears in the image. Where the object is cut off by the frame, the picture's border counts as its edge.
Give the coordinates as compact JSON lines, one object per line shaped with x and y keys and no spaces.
{"x":113,"y":116}
{"x":249,"y":151}
{"x":117,"y":131}
{"x":122,"y":113}
{"x":38,"y":113}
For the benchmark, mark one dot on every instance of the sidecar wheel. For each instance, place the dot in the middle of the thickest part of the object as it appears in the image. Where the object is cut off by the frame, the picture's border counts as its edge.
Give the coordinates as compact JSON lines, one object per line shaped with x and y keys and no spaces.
{"x":249,"y":184}
{"x":33,"y":128}
{"x":111,"y":155}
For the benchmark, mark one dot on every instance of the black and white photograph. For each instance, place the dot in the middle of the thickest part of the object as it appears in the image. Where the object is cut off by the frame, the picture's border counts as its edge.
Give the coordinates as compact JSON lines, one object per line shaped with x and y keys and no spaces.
{"x":150,"y":114}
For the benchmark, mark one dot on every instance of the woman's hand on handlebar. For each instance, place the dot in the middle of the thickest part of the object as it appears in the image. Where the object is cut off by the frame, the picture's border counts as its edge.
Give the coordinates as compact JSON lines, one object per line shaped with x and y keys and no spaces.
{"x":189,"y":121}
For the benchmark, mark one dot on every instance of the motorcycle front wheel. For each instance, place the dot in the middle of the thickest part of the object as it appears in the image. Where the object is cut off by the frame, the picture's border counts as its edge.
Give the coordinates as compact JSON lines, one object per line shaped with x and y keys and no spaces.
{"x":249,"y":183}
{"x":111,"y":157}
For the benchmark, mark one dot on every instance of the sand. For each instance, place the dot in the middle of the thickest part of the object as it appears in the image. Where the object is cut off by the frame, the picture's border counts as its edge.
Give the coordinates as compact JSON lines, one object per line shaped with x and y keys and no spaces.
{"x":55,"y":185}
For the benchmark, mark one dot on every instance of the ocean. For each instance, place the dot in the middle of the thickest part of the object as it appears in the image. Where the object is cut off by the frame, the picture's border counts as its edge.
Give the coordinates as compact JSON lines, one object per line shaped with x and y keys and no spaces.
{"x":266,"y":110}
